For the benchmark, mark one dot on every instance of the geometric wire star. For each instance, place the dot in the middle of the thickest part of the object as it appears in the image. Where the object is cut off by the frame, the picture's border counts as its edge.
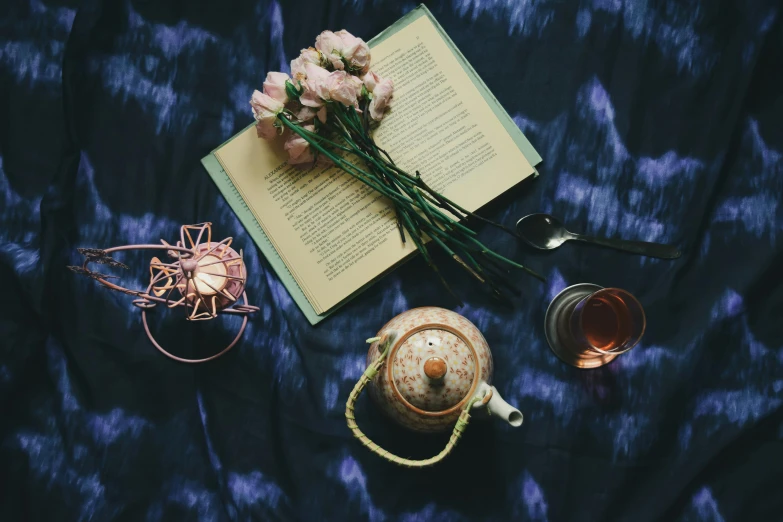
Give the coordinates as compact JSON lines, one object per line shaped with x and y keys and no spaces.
{"x":209,"y":279}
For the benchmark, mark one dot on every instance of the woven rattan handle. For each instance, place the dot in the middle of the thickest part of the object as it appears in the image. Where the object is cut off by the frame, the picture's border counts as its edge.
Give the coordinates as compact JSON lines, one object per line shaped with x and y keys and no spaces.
{"x":368,"y":375}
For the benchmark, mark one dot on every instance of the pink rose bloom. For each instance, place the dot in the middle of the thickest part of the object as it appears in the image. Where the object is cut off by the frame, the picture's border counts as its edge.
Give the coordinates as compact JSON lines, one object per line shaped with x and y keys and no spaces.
{"x":331,"y":46}
{"x":312,"y":55}
{"x":342,"y":88}
{"x":274,"y":86}
{"x":315,"y":87}
{"x":343,"y":48}
{"x":297,"y":69}
{"x":310,"y":98}
{"x":322,"y":114}
{"x":381,"y":97}
{"x":358,"y":82}
{"x":298,"y":148}
{"x":308,"y":55}
{"x":371,"y":80}
{"x":355,"y":51}
{"x":307,"y":114}
{"x":265,"y":111}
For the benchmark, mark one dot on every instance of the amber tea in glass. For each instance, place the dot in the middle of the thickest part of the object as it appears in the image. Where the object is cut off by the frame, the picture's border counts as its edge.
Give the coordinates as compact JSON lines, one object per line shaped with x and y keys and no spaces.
{"x":588,"y":326}
{"x":605,"y":320}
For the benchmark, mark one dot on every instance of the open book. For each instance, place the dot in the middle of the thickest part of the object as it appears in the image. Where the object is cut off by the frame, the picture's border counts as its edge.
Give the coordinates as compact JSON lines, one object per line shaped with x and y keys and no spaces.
{"x":326,"y":234}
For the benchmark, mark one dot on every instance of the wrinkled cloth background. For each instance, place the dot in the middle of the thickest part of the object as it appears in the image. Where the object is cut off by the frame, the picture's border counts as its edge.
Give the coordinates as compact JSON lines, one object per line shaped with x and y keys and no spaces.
{"x":657,"y":121}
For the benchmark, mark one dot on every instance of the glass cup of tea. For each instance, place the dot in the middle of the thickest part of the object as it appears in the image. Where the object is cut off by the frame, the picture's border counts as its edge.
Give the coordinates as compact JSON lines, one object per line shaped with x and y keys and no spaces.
{"x":588,"y":326}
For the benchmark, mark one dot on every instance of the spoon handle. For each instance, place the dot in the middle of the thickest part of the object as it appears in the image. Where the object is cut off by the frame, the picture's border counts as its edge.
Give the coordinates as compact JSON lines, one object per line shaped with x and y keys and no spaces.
{"x":635,"y":247}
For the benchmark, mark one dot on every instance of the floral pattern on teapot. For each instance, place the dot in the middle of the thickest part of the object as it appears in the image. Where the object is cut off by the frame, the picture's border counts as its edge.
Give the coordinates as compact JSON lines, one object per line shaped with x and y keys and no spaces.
{"x":425,"y":392}
{"x":405,"y":391}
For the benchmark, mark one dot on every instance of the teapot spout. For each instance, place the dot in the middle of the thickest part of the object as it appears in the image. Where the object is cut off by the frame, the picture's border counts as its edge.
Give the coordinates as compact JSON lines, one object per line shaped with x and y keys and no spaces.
{"x":497,"y":407}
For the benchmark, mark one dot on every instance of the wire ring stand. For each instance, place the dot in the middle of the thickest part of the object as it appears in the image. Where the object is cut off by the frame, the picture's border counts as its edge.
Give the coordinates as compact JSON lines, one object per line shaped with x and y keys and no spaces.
{"x":205,"y":293}
{"x":182,"y":359}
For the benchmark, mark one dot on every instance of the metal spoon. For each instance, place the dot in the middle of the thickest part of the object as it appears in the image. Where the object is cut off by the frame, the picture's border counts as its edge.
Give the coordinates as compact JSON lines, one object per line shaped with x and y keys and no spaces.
{"x":546,"y":232}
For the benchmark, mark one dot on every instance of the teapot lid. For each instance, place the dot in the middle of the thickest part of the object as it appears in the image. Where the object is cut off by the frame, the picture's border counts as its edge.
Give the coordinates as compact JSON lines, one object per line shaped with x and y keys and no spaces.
{"x":434,"y":368}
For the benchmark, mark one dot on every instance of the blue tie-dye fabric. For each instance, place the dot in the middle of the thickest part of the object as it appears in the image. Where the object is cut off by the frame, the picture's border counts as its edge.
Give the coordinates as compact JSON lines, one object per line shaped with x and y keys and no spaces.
{"x":658,"y":121}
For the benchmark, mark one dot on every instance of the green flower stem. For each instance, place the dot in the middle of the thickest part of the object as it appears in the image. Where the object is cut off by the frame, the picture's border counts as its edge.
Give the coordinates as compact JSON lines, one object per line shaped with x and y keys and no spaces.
{"x":485,"y":273}
{"x":458,"y":259}
{"x":473,"y":266}
{"x":423,"y":249}
{"x":481,"y":248}
{"x":503,"y":277}
{"x":432,"y":196}
{"x":345,"y":120}
{"x":410,"y":193}
{"x":491,"y":253}
{"x":342,"y":112}
{"x":425,"y":207}
{"x":487,"y":278}
{"x":447,"y":219}
{"x":383,"y":179}
{"x":350,"y":114}
{"x":456,"y":209}
{"x":449,"y":237}
{"x":417,"y":206}
{"x":380,"y":164}
{"x":340,"y":147}
{"x":365,"y":179}
{"x":354,"y":170}
{"x":465,"y":249}
{"x":433,"y":214}
{"x":323,"y":139}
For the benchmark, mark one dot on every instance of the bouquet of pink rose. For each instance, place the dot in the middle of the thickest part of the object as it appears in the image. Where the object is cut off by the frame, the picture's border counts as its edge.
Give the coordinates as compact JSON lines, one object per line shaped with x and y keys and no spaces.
{"x":326,"y":111}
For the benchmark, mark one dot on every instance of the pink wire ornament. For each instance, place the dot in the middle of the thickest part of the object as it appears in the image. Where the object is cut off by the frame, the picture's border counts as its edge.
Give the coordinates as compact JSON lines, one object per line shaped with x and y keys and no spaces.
{"x":209,"y":278}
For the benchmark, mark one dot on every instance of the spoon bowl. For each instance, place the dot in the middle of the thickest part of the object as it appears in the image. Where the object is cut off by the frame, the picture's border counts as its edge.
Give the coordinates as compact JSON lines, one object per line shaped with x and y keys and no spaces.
{"x":546,"y":232}
{"x":543,"y":231}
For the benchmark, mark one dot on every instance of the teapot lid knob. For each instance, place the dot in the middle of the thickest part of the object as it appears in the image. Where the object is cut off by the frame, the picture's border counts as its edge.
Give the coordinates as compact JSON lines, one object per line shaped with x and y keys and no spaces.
{"x":435,"y":368}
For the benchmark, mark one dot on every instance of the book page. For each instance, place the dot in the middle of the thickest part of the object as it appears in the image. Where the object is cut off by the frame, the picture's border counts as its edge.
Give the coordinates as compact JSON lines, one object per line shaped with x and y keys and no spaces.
{"x":336,"y":234}
{"x":440,"y":123}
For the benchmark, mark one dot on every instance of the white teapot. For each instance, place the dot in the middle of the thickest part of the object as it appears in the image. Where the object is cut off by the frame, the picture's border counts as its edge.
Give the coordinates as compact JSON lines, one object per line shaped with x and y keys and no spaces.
{"x":439,"y":371}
